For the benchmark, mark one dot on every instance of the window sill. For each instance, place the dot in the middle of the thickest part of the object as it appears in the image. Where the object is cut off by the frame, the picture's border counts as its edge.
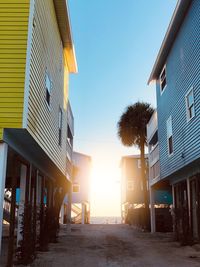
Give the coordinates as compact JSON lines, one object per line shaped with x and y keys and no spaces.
{"x":190,"y":119}
{"x":48,"y":106}
{"x":162,"y":91}
{"x":170,"y":155}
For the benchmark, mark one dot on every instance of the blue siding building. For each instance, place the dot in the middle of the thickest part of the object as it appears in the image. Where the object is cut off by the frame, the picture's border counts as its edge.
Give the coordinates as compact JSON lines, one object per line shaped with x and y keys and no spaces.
{"x":177,"y":75}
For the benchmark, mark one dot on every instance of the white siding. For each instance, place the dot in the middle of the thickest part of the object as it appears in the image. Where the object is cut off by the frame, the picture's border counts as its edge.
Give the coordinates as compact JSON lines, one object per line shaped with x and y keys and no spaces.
{"x":47,"y":56}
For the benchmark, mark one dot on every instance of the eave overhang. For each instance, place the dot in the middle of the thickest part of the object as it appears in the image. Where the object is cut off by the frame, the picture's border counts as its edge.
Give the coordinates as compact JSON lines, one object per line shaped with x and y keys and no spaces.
{"x":63,"y":19}
{"x":170,"y":36}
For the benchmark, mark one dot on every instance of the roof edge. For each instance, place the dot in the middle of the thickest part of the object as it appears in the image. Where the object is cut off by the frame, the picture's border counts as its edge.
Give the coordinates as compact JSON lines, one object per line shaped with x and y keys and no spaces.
{"x":135,"y":156}
{"x":82,"y":154}
{"x":172,"y":30}
{"x":63,"y":19}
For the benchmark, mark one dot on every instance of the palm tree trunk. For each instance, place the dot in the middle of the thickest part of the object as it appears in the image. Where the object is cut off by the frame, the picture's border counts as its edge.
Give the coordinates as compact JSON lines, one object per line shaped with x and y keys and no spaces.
{"x":144,"y":183}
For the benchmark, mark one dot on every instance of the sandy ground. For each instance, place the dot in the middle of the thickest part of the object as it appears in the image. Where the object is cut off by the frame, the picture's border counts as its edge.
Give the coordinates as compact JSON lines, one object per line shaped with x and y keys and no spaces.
{"x":114,"y":246}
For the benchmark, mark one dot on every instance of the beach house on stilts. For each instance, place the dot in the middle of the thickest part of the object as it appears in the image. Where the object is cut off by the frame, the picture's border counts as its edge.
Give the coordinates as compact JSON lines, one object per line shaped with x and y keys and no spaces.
{"x":36,"y":58}
{"x":176,"y":73}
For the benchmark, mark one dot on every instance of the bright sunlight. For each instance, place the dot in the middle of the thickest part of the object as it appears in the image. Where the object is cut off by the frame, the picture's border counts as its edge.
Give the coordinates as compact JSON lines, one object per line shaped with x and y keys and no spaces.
{"x":105,"y":186}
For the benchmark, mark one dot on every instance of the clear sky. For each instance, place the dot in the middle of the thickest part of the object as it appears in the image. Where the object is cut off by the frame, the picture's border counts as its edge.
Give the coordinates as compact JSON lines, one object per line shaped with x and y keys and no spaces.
{"x":116,"y":45}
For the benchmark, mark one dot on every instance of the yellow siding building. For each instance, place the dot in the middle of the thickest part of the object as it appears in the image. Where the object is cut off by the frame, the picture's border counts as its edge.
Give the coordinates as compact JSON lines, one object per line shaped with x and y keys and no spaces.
{"x":36,"y":123}
{"x":14,"y":20}
{"x":36,"y":51}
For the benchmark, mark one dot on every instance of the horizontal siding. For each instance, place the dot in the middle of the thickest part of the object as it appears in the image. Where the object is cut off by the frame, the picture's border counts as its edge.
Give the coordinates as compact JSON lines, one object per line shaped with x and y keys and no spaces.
{"x":183,"y":72}
{"x":46,"y":55}
{"x":14,"y":16}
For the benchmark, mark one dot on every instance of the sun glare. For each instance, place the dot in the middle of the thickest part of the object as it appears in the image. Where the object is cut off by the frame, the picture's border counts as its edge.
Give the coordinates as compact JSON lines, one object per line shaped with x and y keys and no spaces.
{"x":105,"y":188}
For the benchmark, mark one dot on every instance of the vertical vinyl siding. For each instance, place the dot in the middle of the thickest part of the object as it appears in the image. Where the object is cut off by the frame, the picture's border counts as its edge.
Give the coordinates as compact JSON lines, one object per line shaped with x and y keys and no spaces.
{"x":47,"y":55}
{"x":14,"y":16}
{"x":183,"y":72}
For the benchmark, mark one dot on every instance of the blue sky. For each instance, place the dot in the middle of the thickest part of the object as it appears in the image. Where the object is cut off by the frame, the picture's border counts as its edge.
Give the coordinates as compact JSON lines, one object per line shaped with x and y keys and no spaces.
{"x":116,"y":46}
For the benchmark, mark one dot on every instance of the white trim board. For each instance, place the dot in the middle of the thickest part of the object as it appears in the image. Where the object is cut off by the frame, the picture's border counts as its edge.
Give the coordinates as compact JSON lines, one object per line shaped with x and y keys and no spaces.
{"x":3,"y":166}
{"x":28,"y":59}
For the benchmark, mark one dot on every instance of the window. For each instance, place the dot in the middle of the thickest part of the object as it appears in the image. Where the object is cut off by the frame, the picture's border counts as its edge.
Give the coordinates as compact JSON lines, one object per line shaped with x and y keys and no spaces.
{"x":153,"y":142}
{"x":169,"y":136}
{"x":69,"y":136}
{"x":139,"y":163}
{"x":48,"y":89}
{"x":34,"y":22}
{"x":163,"y":80}
{"x":130,"y":186}
{"x":76,"y":188}
{"x":190,"y":104}
{"x":60,"y":126}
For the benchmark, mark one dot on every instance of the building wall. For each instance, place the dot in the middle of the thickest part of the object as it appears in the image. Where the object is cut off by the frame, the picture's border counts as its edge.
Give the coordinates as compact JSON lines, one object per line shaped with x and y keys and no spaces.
{"x":47,"y":57}
{"x":82,"y":177}
{"x":14,"y":18}
{"x":183,"y":72}
{"x":131,"y":173}
{"x":123,"y":181}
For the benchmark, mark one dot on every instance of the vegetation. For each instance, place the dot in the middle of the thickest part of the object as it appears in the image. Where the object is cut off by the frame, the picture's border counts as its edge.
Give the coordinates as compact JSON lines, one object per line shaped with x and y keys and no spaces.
{"x":132,"y":131}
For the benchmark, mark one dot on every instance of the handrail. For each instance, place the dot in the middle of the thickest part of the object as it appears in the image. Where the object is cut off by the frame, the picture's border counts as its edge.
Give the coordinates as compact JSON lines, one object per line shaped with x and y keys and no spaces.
{"x":75,"y":209}
{"x":154,"y":155}
{"x":77,"y":219}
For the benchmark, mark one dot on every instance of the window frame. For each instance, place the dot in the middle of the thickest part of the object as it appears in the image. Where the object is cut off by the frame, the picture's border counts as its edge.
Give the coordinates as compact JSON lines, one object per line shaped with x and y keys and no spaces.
{"x":69,"y":138}
{"x":160,"y":81}
{"x":187,"y":105}
{"x":60,"y":126}
{"x":170,"y":136}
{"x":77,"y":185}
{"x":48,"y":89}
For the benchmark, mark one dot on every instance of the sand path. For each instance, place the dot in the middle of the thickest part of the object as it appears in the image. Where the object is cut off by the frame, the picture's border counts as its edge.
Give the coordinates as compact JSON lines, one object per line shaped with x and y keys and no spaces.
{"x":116,"y":246}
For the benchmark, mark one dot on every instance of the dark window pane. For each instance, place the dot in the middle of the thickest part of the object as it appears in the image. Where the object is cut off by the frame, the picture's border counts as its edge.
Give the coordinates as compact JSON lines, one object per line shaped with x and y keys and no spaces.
{"x":48,"y":97}
{"x":170,"y":143}
{"x":163,"y":83}
{"x":60,"y":137}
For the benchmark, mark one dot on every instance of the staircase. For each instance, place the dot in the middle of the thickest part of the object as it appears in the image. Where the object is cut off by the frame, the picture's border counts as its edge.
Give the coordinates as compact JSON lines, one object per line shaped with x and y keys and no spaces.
{"x":78,"y":214}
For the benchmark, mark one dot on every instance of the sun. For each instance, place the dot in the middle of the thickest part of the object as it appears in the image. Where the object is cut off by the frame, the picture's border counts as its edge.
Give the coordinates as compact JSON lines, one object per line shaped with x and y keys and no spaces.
{"x":105,"y":189}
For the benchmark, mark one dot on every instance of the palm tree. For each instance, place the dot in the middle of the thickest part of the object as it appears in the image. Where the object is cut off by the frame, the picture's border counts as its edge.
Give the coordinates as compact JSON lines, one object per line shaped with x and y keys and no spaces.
{"x":132,"y":131}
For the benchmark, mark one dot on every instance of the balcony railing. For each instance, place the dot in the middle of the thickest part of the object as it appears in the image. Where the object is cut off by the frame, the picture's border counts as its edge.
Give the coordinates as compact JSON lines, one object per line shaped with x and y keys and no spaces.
{"x":154,"y":155}
{"x":69,"y":151}
{"x":152,"y":126}
{"x":154,"y":171}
